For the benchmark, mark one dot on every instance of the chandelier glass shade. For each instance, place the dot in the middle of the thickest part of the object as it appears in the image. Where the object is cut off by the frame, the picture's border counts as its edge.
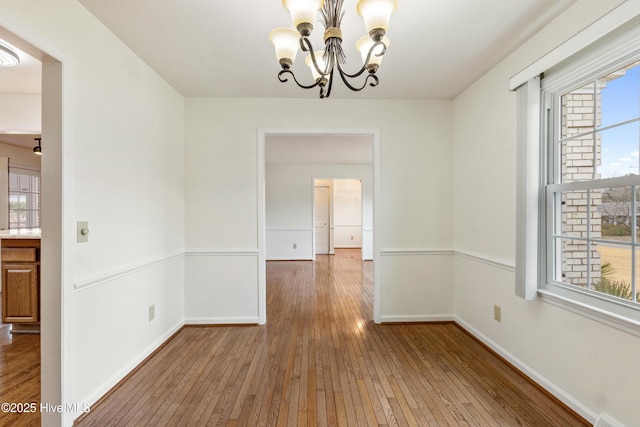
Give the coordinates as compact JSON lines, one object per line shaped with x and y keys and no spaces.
{"x":324,"y":63}
{"x":8,"y":58}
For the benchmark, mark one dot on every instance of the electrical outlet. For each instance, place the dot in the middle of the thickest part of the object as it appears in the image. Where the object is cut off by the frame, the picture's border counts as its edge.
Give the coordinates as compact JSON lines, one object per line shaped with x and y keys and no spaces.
{"x":152,"y":312}
{"x":351,"y":237}
{"x":497,"y":313}
{"x":295,"y":246}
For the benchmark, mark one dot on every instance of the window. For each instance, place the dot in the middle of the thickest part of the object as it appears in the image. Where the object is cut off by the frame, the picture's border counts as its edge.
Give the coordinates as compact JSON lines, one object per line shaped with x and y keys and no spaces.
{"x":24,"y":198}
{"x":589,"y":247}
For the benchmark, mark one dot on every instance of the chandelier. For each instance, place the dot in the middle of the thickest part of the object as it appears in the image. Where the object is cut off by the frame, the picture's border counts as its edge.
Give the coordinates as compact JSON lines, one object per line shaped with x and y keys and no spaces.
{"x":323,"y":63}
{"x":8,"y":58}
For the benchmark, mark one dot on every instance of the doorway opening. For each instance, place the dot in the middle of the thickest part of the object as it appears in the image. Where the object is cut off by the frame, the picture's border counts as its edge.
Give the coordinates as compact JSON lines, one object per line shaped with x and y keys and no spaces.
{"x":322,"y":213}
{"x":342,"y":214}
{"x":51,"y":202}
{"x":289,"y":162}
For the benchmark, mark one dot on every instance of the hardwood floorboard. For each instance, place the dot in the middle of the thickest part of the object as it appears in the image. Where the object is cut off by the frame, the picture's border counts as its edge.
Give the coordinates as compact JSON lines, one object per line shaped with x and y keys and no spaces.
{"x":19,"y":375}
{"x":321,"y":361}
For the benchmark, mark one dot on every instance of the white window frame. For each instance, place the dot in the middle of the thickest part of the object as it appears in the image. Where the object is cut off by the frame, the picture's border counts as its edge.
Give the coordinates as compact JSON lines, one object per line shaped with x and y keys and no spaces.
{"x":31,"y":194}
{"x":611,"y":42}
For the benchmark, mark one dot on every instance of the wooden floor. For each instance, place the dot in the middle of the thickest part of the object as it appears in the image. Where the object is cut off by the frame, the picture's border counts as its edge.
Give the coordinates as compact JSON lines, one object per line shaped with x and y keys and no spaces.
{"x":320,"y":360}
{"x":19,"y":376}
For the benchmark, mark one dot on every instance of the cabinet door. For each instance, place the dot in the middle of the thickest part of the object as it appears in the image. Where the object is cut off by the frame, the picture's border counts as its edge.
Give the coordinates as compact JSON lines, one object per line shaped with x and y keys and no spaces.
{"x":20,"y":293}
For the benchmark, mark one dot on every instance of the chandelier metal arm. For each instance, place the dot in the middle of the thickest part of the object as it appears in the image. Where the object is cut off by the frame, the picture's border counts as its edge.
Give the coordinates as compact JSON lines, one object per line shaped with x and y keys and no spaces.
{"x":370,"y":76}
{"x":322,"y":94}
{"x":366,"y":63}
{"x":288,"y":71}
{"x":306,"y":46}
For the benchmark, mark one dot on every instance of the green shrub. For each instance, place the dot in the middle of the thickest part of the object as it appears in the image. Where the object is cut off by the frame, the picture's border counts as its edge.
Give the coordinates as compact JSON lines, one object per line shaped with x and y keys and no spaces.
{"x":616,"y":230}
{"x":608,"y":286}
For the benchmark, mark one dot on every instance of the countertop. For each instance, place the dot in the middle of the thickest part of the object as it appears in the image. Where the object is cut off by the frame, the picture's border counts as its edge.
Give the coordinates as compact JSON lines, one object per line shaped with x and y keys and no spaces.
{"x":19,"y":235}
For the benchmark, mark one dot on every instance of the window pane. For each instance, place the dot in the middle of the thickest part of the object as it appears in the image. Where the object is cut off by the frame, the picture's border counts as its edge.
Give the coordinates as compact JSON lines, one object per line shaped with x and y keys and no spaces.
{"x":615,"y":270}
{"x":34,"y":200}
{"x":616,"y":213}
{"x":619,"y":151}
{"x":620,"y":95}
{"x":35,"y":184}
{"x":13,"y":182}
{"x":575,"y":259}
{"x":24,"y":201}
{"x":574,"y":216}
{"x":25,"y":183}
{"x":579,"y":158}
{"x":578,"y":111}
{"x":34,"y":219}
{"x":636,"y":297}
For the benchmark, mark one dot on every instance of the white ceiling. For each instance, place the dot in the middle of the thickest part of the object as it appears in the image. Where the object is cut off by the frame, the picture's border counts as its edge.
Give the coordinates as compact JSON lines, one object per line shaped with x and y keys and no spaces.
{"x":221,"y":48}
{"x":24,"y":78}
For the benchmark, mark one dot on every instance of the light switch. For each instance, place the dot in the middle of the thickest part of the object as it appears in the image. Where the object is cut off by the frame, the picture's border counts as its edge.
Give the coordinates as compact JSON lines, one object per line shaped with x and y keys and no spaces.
{"x":83,"y":231}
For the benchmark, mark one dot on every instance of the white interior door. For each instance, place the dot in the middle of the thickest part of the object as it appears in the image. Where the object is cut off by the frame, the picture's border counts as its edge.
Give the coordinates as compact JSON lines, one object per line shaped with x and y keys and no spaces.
{"x":321,"y":220}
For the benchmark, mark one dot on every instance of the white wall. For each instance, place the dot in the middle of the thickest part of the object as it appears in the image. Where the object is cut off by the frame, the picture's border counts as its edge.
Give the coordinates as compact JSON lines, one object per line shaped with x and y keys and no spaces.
{"x":123,"y":172}
{"x":591,"y":366}
{"x":20,"y":112}
{"x":222,"y":195}
{"x":19,"y":156}
{"x":347,"y":213}
{"x":289,"y":205}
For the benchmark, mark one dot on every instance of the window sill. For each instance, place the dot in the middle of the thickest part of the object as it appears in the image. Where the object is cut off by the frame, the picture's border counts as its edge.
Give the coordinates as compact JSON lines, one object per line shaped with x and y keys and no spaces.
{"x":602,"y":309}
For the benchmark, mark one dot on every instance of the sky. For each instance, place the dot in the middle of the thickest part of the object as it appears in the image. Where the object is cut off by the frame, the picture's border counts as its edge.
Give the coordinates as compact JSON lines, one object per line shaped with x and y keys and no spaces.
{"x":620,"y":145}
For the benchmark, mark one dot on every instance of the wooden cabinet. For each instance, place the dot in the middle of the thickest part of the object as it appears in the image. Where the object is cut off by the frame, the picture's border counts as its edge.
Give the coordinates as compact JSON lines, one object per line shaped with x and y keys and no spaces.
{"x":20,"y":281}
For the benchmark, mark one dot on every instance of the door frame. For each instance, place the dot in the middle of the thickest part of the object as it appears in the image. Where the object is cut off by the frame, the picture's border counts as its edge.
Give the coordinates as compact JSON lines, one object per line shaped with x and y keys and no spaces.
{"x":313,"y":220}
{"x":261,"y":185}
{"x":56,"y":201}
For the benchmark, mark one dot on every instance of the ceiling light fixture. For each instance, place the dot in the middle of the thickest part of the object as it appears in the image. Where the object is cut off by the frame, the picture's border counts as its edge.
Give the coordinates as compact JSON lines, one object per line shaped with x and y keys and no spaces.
{"x":38,"y":148}
{"x":8,"y":58}
{"x":376,"y":15}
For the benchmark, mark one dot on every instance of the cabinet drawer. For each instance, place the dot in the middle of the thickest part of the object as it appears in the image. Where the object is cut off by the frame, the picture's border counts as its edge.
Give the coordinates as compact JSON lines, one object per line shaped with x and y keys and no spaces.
{"x":19,"y":255}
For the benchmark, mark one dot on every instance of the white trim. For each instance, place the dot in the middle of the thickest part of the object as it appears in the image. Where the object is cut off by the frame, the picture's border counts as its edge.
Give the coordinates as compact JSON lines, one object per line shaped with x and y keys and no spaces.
{"x":417,"y":318}
{"x":591,"y":306}
{"x":414,"y":251}
{"x":621,"y":181}
{"x":595,"y":62}
{"x":222,"y":320}
{"x":528,"y":189}
{"x":532,"y":374}
{"x":609,"y":22}
{"x":261,"y":168}
{"x":222,"y":252}
{"x":83,"y":284}
{"x":289,"y":229}
{"x":126,"y":370}
{"x":490,"y":261}
{"x":493,"y":262}
{"x":594,"y":308}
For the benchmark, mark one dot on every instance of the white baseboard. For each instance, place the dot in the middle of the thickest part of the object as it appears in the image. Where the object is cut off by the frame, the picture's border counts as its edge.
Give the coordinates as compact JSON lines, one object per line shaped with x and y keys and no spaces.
{"x":107,"y":386}
{"x":221,"y":321}
{"x":417,"y":318}
{"x":539,"y":379}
